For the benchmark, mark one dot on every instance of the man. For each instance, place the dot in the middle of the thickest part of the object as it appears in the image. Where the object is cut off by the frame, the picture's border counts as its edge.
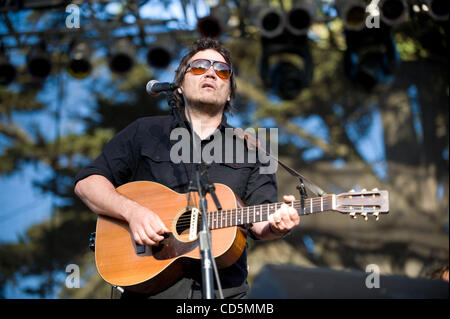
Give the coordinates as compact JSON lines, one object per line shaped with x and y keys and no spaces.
{"x":142,"y":152}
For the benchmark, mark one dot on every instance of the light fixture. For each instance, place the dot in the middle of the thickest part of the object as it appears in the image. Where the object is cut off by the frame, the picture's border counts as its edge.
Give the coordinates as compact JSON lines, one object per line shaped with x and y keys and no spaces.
{"x":161,"y":52}
{"x":79,"y":65}
{"x":352,"y":13}
{"x":39,"y":61}
{"x":121,"y":56}
{"x":270,"y":21}
{"x":7,"y":70}
{"x":371,"y":56}
{"x":300,"y":17}
{"x":214,"y":25}
{"x":286,"y":64}
{"x":438,"y":9}
{"x":393,"y":12}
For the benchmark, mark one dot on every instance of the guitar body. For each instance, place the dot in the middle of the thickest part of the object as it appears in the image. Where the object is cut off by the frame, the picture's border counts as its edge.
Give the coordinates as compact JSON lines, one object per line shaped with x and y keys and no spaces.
{"x":122,"y":263}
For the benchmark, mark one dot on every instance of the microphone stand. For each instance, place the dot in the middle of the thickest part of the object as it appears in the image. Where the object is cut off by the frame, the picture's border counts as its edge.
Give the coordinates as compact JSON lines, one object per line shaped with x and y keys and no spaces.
{"x":205,"y":236}
{"x":203,"y":187}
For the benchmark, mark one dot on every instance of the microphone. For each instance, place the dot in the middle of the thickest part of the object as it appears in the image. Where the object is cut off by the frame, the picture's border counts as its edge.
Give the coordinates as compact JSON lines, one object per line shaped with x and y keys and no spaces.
{"x":154,"y":87}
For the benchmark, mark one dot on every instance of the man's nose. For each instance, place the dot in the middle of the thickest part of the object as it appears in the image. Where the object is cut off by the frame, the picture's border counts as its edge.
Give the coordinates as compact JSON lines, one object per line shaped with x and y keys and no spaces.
{"x":210,"y":72}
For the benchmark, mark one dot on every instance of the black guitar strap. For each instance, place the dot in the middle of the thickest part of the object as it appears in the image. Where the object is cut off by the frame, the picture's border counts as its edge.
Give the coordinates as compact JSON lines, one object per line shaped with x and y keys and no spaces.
{"x":253,"y":142}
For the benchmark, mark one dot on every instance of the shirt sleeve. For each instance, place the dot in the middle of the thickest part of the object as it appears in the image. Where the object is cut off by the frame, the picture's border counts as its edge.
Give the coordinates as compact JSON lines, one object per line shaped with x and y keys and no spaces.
{"x":118,"y":158}
{"x":261,"y":188}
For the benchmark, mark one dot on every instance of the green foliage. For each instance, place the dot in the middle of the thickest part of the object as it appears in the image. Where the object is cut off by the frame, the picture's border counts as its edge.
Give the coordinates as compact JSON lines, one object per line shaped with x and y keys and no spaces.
{"x":47,"y":248}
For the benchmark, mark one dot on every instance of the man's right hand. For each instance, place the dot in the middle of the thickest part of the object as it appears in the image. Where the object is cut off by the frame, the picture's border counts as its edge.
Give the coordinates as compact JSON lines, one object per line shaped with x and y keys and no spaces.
{"x":100,"y":196}
{"x":146,"y":226}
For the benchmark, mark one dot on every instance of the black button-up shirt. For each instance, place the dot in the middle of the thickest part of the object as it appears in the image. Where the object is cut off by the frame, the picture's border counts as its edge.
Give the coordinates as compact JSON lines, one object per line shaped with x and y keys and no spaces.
{"x":141,"y":151}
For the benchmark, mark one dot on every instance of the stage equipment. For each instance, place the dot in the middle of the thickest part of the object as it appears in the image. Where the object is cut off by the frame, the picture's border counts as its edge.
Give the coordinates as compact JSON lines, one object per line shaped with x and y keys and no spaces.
{"x":300,"y":17}
{"x":79,"y":65}
{"x":371,"y":56}
{"x":161,"y":52}
{"x":7,"y":70}
{"x":39,"y":61}
{"x":214,"y":25}
{"x":353,"y":13}
{"x":438,"y":9}
{"x":121,"y":56}
{"x":270,"y":21}
{"x":296,"y":282}
{"x":393,"y":12}
{"x":286,"y":64}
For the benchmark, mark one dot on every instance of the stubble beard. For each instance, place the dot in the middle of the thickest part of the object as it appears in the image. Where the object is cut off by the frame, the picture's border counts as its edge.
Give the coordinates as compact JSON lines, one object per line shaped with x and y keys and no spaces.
{"x":210,"y":108}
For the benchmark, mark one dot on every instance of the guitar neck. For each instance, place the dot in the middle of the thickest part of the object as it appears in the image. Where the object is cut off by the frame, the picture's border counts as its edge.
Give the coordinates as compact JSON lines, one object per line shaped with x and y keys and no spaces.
{"x":260,"y":213}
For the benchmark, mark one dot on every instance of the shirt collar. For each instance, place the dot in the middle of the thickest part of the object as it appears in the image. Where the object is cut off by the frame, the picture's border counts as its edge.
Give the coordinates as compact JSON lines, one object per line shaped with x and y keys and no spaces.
{"x":175,"y":122}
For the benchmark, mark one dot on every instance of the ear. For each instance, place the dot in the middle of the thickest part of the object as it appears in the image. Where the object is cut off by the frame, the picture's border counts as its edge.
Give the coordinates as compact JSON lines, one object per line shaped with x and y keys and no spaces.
{"x":229,"y":98}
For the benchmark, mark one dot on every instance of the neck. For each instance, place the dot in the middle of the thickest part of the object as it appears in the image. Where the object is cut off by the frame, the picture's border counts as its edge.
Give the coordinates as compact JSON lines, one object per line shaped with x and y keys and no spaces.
{"x":260,"y":213}
{"x":204,"y":123}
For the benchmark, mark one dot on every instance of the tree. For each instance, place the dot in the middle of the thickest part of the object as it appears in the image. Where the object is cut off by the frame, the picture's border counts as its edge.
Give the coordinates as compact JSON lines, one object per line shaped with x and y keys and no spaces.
{"x":409,"y":115}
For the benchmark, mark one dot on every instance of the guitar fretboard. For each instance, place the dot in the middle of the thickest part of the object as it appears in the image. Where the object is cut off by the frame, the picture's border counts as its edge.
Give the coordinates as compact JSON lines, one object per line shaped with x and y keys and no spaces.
{"x":260,"y":213}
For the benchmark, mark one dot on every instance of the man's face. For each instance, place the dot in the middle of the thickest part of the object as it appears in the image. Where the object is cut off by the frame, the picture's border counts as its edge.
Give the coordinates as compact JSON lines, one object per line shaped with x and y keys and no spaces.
{"x":207,"y":89}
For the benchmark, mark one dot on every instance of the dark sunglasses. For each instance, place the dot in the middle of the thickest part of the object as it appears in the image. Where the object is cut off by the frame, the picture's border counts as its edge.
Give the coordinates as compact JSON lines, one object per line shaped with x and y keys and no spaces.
{"x":200,"y":66}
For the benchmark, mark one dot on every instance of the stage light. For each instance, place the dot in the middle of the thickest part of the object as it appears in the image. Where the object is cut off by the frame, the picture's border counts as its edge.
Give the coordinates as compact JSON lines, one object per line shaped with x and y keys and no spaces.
{"x":270,"y":21}
{"x":161,"y":52}
{"x":79,"y":65}
{"x":7,"y":70}
{"x":371,"y":56}
{"x":121,"y":57}
{"x":438,"y":9}
{"x":287,"y":80}
{"x":286,"y":65}
{"x":393,"y":11}
{"x":159,"y":57}
{"x":353,"y":13}
{"x":214,"y":25}
{"x":39,"y":61}
{"x":300,"y":17}
{"x":209,"y":27}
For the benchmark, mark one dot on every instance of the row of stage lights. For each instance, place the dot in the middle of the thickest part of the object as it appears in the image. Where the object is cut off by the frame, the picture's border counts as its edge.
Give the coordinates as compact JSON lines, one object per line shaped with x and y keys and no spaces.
{"x":121,"y":59}
{"x":371,"y":55}
{"x":370,"y":52}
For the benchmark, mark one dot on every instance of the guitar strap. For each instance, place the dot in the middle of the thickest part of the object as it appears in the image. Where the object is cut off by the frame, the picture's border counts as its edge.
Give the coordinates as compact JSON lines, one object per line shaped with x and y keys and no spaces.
{"x":254,"y":143}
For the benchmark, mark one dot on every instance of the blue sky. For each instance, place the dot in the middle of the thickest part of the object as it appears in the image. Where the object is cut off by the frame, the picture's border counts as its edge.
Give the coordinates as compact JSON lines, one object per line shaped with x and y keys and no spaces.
{"x":22,"y":205}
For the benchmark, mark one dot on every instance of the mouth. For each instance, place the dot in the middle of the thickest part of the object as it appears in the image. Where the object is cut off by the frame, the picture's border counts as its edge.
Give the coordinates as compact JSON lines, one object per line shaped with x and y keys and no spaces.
{"x":208,"y":86}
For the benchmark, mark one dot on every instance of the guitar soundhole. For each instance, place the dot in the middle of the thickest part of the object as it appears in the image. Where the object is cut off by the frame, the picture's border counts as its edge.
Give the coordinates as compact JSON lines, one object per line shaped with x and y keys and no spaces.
{"x":183,"y":225}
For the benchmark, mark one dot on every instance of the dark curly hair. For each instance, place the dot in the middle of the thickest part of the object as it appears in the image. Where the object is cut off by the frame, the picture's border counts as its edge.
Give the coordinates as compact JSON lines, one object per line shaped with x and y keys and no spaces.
{"x":201,"y":45}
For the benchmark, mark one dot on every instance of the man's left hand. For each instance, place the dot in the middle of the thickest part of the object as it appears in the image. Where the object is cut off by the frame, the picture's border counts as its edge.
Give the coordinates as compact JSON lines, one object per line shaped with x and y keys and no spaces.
{"x":285,"y":218}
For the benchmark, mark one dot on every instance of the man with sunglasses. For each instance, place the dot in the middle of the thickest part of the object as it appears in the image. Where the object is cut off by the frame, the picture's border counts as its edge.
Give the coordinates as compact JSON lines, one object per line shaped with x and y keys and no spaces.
{"x":142,"y":152}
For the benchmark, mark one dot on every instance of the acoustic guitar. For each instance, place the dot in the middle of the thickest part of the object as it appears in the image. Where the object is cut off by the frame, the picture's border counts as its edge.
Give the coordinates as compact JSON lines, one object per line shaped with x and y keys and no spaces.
{"x":150,"y":269}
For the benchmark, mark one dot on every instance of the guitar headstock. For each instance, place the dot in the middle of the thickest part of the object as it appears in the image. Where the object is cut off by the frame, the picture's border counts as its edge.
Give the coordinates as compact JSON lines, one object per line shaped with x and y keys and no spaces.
{"x":365,"y":203}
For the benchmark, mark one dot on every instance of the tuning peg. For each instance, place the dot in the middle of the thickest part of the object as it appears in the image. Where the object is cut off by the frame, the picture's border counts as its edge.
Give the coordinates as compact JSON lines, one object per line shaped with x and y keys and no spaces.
{"x":376,"y":216}
{"x":353,"y":215}
{"x":365,"y":216}
{"x":351,"y":191}
{"x":375,"y":189}
{"x":363,"y":190}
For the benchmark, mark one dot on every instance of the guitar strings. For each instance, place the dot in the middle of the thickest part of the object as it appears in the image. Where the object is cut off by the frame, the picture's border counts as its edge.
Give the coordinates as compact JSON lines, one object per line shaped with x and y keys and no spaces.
{"x":230,"y":216}
{"x":244,"y":212}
